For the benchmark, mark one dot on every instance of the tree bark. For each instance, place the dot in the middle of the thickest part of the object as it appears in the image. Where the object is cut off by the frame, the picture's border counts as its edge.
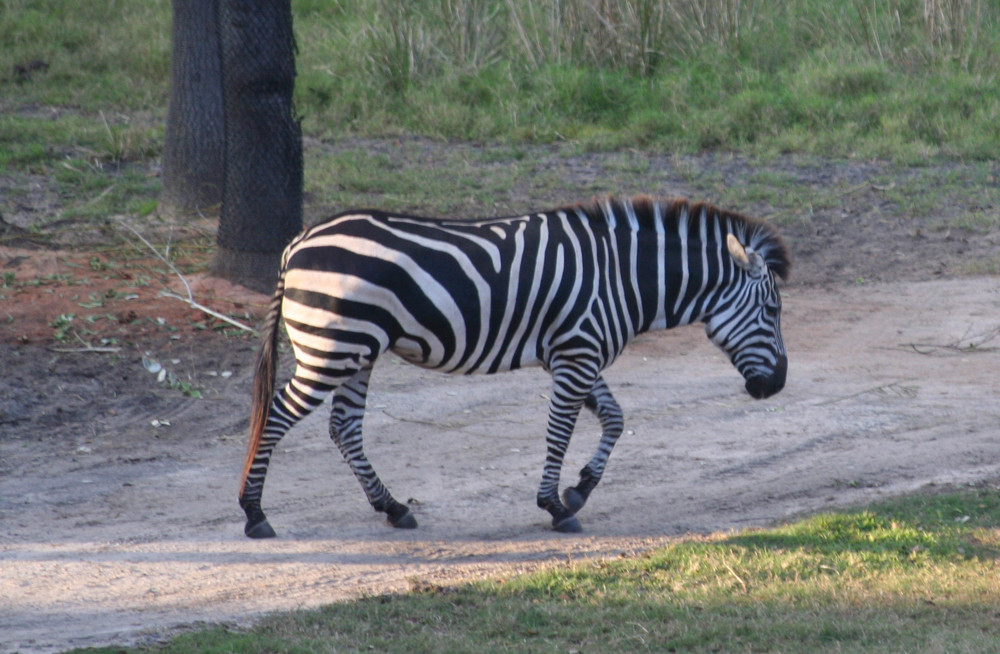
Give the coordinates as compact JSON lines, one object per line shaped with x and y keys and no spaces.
{"x":193,"y":142}
{"x":262,"y":191}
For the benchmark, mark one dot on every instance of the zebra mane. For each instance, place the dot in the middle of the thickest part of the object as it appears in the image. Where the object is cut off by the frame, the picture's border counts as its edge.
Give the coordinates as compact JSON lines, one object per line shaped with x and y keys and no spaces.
{"x":762,"y":236}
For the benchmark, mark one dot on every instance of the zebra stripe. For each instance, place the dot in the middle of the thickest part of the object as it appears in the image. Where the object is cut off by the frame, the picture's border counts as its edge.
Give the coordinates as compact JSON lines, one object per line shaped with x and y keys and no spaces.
{"x":564,"y":289}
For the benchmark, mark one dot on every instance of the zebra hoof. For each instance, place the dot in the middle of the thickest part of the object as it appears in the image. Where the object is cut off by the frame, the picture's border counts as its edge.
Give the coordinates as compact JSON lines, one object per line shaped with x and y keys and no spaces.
{"x":261,"y":529}
{"x":403,"y":520}
{"x":568,"y":525}
{"x":574,"y":499}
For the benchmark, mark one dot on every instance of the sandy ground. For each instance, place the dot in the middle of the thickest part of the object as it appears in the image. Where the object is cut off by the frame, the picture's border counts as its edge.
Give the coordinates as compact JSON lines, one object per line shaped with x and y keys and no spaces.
{"x":122,"y":531}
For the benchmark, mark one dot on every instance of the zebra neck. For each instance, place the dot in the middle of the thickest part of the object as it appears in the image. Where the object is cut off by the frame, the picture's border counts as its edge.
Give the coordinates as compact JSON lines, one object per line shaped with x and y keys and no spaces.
{"x":692,"y":269}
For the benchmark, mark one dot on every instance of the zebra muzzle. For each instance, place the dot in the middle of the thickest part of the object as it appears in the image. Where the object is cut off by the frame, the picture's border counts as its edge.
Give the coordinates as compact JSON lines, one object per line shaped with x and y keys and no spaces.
{"x":763,"y":386}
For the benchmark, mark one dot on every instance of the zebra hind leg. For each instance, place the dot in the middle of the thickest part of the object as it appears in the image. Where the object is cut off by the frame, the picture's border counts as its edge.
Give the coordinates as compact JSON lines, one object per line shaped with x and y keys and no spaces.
{"x":602,"y":403}
{"x":345,"y":430}
{"x":288,"y":407}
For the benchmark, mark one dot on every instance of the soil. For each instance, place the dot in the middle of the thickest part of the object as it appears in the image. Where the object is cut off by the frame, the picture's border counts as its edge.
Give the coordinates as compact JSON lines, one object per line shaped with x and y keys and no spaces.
{"x":118,"y":482}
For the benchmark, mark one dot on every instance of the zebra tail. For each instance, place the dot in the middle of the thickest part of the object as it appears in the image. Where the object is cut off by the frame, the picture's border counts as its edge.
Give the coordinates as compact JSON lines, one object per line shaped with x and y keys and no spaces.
{"x":263,"y":381}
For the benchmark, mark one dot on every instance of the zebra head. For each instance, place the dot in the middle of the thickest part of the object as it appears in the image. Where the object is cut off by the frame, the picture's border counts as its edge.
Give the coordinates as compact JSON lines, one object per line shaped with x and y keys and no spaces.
{"x":746,"y":323}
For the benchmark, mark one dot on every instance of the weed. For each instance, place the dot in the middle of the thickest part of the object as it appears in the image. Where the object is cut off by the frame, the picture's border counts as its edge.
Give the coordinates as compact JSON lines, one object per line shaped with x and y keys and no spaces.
{"x":96,"y":301}
{"x":61,"y":325}
{"x":169,"y":378}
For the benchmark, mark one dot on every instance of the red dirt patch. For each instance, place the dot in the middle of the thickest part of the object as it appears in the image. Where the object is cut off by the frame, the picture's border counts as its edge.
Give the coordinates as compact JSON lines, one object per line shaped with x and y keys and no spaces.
{"x":81,"y":300}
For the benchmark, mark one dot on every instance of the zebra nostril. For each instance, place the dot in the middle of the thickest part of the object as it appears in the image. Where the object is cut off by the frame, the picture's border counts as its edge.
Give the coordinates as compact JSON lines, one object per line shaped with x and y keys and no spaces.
{"x":758,"y":387}
{"x":763,"y":386}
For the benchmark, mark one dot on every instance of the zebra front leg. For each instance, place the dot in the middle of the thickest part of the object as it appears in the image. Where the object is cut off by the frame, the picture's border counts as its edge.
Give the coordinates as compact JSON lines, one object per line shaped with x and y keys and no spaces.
{"x":345,"y":430}
{"x":602,"y":403}
{"x":571,"y":383}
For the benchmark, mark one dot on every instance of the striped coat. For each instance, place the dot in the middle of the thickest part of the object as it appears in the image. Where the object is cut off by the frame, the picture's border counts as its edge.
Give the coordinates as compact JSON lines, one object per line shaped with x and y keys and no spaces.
{"x":564,"y":289}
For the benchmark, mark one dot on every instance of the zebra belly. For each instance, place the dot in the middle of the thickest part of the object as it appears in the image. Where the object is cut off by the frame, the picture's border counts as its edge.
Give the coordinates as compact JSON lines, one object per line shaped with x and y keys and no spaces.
{"x":414,"y":352}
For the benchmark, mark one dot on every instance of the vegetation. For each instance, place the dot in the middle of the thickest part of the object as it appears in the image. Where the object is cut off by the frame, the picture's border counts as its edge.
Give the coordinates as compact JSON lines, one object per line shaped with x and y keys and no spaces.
{"x":84,"y":89}
{"x":85,"y":86}
{"x":900,"y":78}
{"x":918,"y":574}
{"x":903,"y":78}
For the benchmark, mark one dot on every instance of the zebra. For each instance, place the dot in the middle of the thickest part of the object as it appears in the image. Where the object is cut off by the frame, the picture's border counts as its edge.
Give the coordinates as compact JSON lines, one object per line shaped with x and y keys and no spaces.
{"x":565,"y":290}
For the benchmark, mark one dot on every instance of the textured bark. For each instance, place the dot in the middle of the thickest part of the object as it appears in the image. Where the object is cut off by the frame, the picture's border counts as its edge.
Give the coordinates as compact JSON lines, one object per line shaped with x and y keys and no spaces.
{"x":262,"y":191}
{"x":193,"y":145}
{"x":255,"y":270}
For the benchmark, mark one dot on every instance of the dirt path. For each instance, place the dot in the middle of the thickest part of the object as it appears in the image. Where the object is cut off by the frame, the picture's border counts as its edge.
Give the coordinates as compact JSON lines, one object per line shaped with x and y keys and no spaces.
{"x":116,"y":530}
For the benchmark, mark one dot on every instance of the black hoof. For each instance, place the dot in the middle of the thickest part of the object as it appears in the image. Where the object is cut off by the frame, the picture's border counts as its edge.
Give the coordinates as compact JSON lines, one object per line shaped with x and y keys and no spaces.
{"x":402,"y":519}
{"x":568,"y":525}
{"x":260,"y":529}
{"x":574,"y":499}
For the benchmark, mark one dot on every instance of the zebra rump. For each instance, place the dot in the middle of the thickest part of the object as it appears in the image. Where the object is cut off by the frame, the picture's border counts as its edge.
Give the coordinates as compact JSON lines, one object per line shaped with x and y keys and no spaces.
{"x":565,"y":289}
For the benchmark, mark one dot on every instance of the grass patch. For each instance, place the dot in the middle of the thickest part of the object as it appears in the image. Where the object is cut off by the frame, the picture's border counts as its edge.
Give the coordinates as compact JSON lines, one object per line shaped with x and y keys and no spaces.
{"x":87,"y":56}
{"x":842,"y":77}
{"x":916,"y":574}
{"x":417,"y":176}
{"x":85,"y":90}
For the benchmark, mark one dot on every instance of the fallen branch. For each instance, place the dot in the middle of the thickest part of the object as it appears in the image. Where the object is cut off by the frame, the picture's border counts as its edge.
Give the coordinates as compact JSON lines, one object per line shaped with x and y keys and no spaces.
{"x":896,"y":388}
{"x":88,"y":348}
{"x":932,"y":348}
{"x":215,"y":314}
{"x":429,"y":423}
{"x":974,"y":344}
{"x":190,"y":295}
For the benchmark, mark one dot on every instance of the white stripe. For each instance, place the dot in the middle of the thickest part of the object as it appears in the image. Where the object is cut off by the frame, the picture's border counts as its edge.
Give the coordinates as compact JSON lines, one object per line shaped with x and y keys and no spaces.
{"x":557,"y":324}
{"x":530,"y":354}
{"x":703,"y":235}
{"x":660,"y":320}
{"x":682,"y":235}
{"x":633,"y":265}
{"x":491,"y":250}
{"x":536,"y":283}
{"x":512,"y":286}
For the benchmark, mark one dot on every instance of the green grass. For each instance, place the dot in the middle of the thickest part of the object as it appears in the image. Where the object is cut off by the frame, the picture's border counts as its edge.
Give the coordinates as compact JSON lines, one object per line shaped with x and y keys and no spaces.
{"x":808,"y":75}
{"x":84,"y":88}
{"x":843,"y":78}
{"x":409,"y":175}
{"x":917,"y":574}
{"x":110,"y":56}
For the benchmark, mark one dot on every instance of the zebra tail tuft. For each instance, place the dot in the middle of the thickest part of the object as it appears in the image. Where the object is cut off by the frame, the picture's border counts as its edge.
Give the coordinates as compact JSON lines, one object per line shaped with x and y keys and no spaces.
{"x":263,"y":381}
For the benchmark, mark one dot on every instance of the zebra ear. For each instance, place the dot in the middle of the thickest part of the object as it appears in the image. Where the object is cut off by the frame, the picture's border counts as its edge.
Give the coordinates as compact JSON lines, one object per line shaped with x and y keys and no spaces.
{"x":745,"y":258}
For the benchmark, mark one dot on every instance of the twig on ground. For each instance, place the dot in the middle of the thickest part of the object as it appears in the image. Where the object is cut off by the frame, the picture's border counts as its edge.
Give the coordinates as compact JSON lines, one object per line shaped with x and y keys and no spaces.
{"x":429,"y":423}
{"x":88,"y":348}
{"x":975,"y":344}
{"x":896,"y":388}
{"x":190,"y":295}
{"x":746,"y":589}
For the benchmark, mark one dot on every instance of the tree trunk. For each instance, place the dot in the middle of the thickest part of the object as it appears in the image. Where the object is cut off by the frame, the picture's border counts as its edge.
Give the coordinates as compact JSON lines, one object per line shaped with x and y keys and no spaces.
{"x":262,"y":192}
{"x":193,"y":144}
